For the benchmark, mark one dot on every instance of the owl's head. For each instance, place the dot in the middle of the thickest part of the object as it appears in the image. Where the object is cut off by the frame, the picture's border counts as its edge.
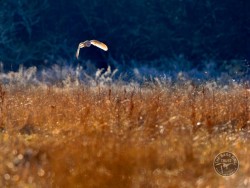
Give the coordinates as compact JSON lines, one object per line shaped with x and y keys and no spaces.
{"x":88,"y":43}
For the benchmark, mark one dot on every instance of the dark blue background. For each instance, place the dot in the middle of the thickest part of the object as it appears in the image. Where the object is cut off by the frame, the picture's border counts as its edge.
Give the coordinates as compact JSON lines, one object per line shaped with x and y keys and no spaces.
{"x":43,"y":32}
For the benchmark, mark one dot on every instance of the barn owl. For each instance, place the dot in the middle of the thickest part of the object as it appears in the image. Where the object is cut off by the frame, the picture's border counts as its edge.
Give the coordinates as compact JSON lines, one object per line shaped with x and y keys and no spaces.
{"x":88,"y":43}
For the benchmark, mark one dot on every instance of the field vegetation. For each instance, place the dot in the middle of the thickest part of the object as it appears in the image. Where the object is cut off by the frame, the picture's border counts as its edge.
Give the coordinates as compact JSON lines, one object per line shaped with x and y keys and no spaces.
{"x":157,"y":133}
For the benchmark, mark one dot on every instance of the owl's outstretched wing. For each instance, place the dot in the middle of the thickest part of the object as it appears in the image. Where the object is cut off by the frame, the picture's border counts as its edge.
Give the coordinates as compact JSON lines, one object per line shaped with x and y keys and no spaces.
{"x":99,"y":45}
{"x":77,"y":52}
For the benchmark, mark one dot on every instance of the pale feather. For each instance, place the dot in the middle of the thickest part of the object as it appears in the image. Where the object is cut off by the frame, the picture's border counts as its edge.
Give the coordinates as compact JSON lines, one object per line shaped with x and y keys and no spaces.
{"x":99,"y":44}
{"x":93,"y":42}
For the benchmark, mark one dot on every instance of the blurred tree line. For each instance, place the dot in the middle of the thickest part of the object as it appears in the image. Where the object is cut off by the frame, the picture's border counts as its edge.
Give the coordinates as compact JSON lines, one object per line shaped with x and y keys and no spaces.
{"x":43,"y":32}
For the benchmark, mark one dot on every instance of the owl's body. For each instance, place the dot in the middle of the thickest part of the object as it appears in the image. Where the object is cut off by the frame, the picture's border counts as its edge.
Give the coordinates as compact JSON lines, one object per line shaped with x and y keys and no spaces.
{"x":88,"y":43}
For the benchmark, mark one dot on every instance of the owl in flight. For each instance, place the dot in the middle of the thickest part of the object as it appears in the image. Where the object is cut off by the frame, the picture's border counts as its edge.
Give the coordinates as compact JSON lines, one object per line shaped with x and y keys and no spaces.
{"x":88,"y":43}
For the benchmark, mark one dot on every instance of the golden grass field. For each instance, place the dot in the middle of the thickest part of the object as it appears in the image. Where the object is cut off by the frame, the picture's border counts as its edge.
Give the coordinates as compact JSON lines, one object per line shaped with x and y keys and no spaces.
{"x":122,"y":135}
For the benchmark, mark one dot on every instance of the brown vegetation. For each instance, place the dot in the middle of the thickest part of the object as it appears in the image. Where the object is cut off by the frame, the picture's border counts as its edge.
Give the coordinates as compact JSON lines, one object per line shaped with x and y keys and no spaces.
{"x":122,"y":135}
